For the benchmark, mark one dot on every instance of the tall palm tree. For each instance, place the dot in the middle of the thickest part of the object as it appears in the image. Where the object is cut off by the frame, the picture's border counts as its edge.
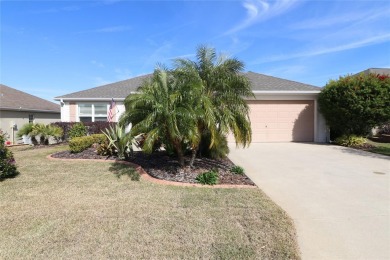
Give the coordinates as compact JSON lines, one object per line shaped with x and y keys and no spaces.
{"x":225,"y":85}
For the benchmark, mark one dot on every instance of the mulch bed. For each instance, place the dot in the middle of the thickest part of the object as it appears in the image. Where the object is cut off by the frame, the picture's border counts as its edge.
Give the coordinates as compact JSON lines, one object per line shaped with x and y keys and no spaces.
{"x":161,"y":166}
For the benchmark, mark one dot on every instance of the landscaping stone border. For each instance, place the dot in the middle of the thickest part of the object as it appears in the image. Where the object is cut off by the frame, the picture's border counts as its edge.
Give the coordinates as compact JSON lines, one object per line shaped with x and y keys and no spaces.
{"x":149,"y":178}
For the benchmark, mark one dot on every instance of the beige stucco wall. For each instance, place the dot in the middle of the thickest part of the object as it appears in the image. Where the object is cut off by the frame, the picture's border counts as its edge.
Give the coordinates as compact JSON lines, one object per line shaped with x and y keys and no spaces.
{"x":8,"y":117}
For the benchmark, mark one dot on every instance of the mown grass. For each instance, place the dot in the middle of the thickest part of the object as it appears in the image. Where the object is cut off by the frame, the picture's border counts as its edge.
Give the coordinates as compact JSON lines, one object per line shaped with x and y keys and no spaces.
{"x":381,"y":148}
{"x":78,"y":210}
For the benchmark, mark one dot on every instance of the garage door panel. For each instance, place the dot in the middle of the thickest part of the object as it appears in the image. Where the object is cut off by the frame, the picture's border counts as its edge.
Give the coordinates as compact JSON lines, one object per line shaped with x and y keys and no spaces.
{"x":282,"y":121}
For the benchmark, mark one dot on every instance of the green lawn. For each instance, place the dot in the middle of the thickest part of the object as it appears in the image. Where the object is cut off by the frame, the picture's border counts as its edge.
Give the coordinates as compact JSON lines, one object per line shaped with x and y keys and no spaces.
{"x":381,"y":148}
{"x":77,"y":210}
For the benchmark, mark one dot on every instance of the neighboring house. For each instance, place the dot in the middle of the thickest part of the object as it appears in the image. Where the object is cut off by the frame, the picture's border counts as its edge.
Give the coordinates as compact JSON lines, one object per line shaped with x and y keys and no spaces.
{"x":18,"y":108}
{"x":380,"y":71}
{"x":282,"y":110}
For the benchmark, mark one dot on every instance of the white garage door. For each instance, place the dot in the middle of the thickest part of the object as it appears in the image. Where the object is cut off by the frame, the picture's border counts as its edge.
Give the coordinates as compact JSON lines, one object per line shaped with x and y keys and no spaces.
{"x":282,"y":121}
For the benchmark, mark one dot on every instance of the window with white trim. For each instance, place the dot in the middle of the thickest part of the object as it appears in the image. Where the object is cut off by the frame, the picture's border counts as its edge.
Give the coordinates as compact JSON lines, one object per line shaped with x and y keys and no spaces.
{"x":92,"y":112}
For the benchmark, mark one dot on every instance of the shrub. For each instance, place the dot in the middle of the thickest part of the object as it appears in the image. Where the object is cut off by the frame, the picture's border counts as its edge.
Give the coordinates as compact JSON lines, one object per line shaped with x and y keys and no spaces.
{"x":209,"y":178}
{"x":356,"y":104}
{"x":53,"y":131}
{"x":119,"y":141}
{"x":350,"y":140}
{"x":219,"y":150}
{"x":7,"y":162}
{"x":105,"y":150}
{"x":77,"y":130}
{"x":98,"y":127}
{"x":26,"y":129}
{"x":79,"y":144}
{"x":99,"y":138}
{"x":92,"y":127}
{"x":41,"y":131}
{"x":237,"y":170}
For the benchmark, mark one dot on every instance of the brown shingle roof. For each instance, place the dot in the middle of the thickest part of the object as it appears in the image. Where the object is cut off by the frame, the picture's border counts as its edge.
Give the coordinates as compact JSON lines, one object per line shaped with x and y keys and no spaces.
{"x":261,"y":82}
{"x":119,"y":89}
{"x":380,"y":71}
{"x":13,"y":99}
{"x":122,"y":89}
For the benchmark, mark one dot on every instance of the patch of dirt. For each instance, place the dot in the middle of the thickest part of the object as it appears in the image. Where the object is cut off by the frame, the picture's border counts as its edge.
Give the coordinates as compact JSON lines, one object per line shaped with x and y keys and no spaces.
{"x":164,"y":167}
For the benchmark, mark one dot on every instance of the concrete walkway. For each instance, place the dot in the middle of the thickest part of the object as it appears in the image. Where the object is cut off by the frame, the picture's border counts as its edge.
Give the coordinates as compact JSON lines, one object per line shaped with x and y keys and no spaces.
{"x":339,"y":198}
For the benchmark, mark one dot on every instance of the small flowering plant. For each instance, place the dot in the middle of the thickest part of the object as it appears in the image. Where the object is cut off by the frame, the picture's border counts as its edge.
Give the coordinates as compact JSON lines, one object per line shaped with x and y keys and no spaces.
{"x":7,"y":161}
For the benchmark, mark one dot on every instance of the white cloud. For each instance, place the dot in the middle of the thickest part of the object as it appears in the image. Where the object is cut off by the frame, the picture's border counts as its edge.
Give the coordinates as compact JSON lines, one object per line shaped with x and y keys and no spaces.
{"x":260,"y":10}
{"x":112,"y":29}
{"x":353,"y":18}
{"x":321,"y":51}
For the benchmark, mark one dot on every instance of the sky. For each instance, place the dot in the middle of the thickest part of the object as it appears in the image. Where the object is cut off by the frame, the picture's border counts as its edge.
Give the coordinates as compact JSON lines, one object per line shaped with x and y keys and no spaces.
{"x":53,"y":48}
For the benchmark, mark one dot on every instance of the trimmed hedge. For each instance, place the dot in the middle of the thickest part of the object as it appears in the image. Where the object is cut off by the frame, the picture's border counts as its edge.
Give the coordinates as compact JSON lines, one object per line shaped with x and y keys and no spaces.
{"x":92,"y":127}
{"x":79,"y":144}
{"x":99,"y":138}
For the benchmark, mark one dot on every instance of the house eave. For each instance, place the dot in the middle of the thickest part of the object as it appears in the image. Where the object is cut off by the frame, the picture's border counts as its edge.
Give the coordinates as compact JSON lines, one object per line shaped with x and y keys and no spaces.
{"x":88,"y":99}
{"x":22,"y":109}
{"x":255,"y":92}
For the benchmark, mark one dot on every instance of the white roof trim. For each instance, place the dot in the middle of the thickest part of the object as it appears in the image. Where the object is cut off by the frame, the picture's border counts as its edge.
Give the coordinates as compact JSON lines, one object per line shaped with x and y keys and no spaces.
{"x":88,"y":99}
{"x":255,"y":92}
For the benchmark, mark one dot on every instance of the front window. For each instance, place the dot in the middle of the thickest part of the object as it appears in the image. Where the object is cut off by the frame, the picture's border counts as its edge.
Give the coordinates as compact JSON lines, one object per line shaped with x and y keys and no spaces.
{"x":92,"y":112}
{"x":100,"y":112}
{"x":31,"y":118}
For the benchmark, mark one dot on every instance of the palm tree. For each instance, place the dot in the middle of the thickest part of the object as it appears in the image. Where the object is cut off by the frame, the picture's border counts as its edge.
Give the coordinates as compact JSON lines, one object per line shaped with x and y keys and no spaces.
{"x":166,"y":112}
{"x":224,"y":84}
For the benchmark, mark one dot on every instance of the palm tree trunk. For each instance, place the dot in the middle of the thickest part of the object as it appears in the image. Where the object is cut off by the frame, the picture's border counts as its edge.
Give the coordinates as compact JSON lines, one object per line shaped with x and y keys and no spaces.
{"x":193,"y":156}
{"x":180,"y":155}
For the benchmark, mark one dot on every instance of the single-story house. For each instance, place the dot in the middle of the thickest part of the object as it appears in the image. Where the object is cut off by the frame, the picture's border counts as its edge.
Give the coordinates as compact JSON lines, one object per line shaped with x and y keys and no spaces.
{"x":282,"y":110}
{"x":378,"y":71}
{"x":18,"y":108}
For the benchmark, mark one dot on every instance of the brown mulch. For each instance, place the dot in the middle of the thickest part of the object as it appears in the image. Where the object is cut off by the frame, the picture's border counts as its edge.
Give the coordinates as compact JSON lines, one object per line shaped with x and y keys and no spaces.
{"x":161,"y":166}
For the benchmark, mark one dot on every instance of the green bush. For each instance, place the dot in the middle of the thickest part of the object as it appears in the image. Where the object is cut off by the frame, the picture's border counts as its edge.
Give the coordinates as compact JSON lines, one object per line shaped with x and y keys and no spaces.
{"x":208,"y":178}
{"x":77,"y":130}
{"x":79,"y":144}
{"x":7,"y":162}
{"x":105,"y":150}
{"x":237,"y":170}
{"x":355,"y":104}
{"x":41,"y":131}
{"x":99,"y":138}
{"x":26,"y":129}
{"x":219,"y":150}
{"x":350,"y":140}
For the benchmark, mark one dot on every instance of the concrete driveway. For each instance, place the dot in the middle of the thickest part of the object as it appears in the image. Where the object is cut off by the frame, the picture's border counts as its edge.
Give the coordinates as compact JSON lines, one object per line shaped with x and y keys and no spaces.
{"x":339,"y":198}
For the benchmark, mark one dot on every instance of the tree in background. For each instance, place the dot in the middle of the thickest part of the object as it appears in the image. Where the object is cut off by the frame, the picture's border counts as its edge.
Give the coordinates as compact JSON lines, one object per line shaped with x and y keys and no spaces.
{"x":355,"y":104}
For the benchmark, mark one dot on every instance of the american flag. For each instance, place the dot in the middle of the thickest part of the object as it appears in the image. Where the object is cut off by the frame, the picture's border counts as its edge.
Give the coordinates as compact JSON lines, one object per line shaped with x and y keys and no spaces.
{"x":110,"y":116}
